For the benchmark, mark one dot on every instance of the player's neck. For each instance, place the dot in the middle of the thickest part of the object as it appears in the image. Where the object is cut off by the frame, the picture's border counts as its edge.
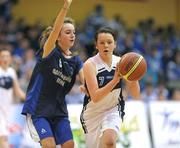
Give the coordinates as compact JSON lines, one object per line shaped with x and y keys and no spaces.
{"x":65,"y":51}
{"x":107,"y":59}
{"x":67,"y":54}
{"x":4,"y":67}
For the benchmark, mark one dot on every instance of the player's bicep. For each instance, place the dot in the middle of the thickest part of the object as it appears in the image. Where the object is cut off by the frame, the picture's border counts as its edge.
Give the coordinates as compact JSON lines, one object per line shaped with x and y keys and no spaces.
{"x":90,"y":77}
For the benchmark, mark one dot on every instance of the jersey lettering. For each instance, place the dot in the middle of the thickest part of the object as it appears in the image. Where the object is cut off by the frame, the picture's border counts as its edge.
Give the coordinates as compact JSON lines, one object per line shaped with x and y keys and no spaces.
{"x":101,"y":79}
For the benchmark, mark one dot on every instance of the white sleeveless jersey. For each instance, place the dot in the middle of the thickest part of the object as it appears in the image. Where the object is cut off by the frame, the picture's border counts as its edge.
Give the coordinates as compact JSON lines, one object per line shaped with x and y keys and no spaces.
{"x":6,"y":86}
{"x":94,"y":112}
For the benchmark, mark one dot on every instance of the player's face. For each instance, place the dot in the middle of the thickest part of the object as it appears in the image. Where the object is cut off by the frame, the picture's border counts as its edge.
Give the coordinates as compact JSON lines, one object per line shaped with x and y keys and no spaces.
{"x":67,"y":36}
{"x":5,"y":58}
{"x":105,"y":43}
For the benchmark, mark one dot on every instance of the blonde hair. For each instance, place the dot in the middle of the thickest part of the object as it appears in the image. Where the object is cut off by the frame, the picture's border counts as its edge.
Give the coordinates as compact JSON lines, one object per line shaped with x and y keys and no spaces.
{"x":45,"y":34}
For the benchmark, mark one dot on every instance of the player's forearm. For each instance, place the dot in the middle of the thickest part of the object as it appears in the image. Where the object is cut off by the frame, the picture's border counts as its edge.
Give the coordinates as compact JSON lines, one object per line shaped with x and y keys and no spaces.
{"x":22,"y":95}
{"x":60,"y":18}
{"x":50,"y":43}
{"x":134,"y":89}
{"x":100,"y":93}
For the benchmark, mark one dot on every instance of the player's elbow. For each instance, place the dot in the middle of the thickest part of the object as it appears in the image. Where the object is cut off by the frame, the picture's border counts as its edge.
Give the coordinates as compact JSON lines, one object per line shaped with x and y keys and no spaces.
{"x":136,"y":95}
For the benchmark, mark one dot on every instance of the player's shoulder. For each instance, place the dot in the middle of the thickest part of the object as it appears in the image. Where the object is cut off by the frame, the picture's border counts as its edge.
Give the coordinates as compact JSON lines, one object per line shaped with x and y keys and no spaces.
{"x":11,"y":71}
{"x":92,"y":61}
{"x":115,"y":57}
{"x":8,"y":72}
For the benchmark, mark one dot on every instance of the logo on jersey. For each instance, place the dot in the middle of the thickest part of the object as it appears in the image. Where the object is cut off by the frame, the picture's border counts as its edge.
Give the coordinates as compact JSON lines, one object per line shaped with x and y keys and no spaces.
{"x":43,"y":131}
{"x":60,"y":63}
{"x":101,"y":80}
{"x":6,"y":82}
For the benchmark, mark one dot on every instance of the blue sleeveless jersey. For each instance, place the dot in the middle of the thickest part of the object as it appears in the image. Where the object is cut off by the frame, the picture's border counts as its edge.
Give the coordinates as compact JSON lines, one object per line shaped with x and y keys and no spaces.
{"x":52,"y":78}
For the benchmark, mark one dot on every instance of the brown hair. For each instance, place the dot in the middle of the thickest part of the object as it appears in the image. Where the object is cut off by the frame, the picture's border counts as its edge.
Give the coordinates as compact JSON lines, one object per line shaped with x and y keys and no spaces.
{"x":105,"y":30}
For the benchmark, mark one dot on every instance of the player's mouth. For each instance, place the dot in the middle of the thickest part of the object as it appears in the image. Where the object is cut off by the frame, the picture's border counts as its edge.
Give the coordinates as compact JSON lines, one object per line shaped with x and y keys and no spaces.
{"x":106,"y":51}
{"x":71,"y":40}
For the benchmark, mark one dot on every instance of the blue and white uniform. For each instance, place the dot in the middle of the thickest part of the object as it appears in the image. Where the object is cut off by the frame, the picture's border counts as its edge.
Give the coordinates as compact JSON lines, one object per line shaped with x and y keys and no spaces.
{"x":52,"y":78}
{"x":97,"y":117}
{"x":6,"y":96}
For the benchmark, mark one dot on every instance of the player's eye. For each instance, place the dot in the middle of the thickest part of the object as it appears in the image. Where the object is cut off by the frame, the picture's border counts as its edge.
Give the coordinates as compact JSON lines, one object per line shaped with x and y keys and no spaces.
{"x":68,"y":32}
{"x":109,"y":42}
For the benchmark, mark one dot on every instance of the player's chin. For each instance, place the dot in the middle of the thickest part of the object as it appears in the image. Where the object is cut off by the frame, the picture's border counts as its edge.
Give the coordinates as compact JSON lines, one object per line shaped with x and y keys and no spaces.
{"x":71,"y":43}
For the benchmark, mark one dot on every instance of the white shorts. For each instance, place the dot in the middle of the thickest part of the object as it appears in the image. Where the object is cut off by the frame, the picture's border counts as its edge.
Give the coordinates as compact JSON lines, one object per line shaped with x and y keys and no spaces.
{"x":32,"y":130}
{"x":3,"y":125}
{"x":110,"y":120}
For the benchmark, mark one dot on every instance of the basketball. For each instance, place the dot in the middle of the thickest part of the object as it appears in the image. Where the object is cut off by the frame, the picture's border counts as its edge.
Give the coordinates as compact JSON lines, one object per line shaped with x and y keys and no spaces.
{"x":132,"y":66}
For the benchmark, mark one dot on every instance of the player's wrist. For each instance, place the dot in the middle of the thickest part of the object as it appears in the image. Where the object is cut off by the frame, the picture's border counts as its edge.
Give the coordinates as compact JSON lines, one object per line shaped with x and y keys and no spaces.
{"x":115,"y":81}
{"x":65,"y":7}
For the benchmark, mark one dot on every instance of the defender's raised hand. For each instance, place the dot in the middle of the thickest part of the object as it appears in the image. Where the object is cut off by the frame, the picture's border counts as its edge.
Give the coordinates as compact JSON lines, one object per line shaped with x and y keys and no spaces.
{"x":67,"y":3}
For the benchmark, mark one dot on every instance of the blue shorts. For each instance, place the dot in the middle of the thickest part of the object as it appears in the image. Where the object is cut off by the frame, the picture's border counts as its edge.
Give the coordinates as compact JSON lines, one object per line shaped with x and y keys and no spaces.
{"x":59,"y":128}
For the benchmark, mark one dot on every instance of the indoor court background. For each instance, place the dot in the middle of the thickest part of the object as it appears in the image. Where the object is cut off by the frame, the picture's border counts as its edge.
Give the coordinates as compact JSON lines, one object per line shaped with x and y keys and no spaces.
{"x":149,"y":27}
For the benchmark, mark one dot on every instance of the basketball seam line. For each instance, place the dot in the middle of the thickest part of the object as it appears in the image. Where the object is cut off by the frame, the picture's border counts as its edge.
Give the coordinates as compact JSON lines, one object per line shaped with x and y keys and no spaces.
{"x":133,"y":68}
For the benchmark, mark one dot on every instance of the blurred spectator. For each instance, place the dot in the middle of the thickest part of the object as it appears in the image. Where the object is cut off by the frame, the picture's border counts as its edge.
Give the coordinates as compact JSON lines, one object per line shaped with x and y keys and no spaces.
{"x":96,"y":19}
{"x":176,"y":94}
{"x":27,"y":68}
{"x":9,"y":88}
{"x":149,"y":93}
{"x":166,"y":58}
{"x":173,"y":71}
{"x":161,"y":91}
{"x":173,"y":67}
{"x":23,"y":45}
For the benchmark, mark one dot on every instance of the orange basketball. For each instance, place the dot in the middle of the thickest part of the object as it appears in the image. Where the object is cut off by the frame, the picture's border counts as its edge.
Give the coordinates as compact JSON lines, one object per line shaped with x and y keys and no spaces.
{"x":132,"y":66}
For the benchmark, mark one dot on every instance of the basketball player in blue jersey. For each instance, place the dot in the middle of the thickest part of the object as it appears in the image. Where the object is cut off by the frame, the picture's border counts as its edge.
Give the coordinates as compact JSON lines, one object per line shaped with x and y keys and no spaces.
{"x":52,"y":78}
{"x":100,"y":115}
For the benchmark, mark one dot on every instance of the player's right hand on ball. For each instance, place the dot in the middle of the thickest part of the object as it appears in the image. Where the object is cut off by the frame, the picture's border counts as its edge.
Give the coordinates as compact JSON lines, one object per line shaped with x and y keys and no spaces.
{"x":117,"y":74}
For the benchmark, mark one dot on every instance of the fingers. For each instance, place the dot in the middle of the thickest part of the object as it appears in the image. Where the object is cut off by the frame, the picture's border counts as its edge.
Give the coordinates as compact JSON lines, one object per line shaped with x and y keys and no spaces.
{"x":118,"y":70}
{"x":83,"y":90}
{"x":67,"y":3}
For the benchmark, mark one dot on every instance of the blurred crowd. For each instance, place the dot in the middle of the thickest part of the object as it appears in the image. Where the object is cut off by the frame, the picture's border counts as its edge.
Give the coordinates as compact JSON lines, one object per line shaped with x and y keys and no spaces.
{"x":159,"y":45}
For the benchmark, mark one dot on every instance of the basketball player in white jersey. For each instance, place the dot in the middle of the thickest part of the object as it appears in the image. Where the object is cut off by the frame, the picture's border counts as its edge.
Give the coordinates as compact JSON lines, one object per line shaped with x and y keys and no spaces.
{"x":8,"y":87}
{"x":100,"y":116}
